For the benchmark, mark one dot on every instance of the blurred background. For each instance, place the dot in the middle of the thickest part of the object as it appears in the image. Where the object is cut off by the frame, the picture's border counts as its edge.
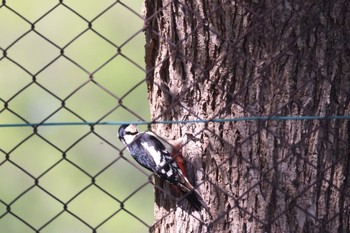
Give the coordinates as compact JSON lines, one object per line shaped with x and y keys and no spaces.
{"x":71,"y":61}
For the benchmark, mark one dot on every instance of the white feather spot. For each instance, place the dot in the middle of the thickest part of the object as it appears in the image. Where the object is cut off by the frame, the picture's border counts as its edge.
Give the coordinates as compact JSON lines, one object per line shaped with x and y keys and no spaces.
{"x":156,"y":155}
{"x":169,"y":173}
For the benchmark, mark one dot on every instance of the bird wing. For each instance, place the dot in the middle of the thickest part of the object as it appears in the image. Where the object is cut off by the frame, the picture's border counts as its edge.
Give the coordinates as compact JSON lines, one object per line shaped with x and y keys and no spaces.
{"x":141,"y":155}
{"x":155,"y":149}
{"x":168,"y":169}
{"x":167,"y":166}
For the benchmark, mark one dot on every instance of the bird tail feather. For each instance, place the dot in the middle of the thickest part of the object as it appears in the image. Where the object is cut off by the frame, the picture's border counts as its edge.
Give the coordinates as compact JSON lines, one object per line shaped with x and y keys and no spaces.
{"x":196,"y":201}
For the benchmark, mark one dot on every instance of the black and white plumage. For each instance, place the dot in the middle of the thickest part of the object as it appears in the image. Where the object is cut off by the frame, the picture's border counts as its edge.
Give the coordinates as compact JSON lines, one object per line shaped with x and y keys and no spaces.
{"x":152,"y":154}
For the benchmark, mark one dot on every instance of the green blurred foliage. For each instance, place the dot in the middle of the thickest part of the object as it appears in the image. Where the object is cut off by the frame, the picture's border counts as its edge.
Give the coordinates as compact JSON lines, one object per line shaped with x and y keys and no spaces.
{"x":55,"y":68}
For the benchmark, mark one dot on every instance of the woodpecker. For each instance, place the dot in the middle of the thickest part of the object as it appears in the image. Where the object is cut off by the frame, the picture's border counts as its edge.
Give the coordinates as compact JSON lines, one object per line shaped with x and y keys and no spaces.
{"x":152,"y":154}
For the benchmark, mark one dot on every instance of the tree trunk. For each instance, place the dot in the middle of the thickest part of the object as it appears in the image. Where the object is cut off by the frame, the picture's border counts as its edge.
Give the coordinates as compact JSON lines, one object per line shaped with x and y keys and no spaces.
{"x":231,"y":59}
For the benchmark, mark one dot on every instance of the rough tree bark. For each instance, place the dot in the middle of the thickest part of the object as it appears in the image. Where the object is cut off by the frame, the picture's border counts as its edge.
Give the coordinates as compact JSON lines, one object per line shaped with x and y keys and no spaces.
{"x":230,"y":59}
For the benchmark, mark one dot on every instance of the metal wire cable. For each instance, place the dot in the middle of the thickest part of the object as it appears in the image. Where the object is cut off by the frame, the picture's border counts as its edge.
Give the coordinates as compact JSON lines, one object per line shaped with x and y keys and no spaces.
{"x":218,"y":120}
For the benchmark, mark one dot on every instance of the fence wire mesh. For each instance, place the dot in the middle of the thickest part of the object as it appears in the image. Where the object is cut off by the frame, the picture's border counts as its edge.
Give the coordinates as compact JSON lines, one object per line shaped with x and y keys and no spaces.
{"x":69,"y":61}
{"x":73,"y":61}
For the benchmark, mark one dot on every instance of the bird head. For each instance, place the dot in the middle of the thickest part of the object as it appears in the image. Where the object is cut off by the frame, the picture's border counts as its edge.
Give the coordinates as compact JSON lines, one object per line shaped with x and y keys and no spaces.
{"x":127,"y":133}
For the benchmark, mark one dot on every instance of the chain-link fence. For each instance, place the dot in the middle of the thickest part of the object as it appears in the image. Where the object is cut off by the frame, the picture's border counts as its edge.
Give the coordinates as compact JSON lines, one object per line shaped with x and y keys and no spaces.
{"x":68,"y":67}
{"x":71,"y":61}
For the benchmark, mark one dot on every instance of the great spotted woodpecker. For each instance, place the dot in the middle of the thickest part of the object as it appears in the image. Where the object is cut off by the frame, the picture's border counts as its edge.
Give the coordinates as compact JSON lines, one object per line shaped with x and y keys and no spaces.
{"x":152,"y":154}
